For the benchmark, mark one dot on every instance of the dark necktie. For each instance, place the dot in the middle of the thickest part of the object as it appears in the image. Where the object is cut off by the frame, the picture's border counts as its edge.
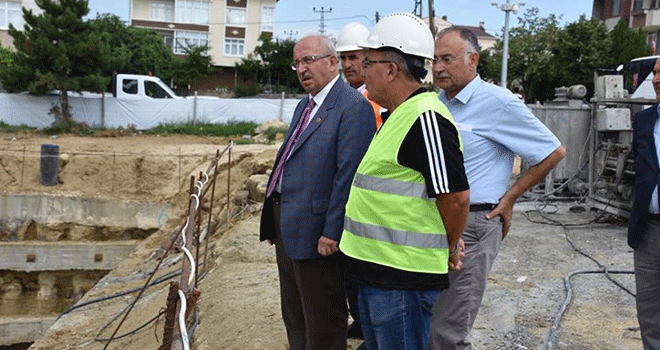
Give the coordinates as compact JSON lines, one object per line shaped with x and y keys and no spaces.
{"x":302,"y":123}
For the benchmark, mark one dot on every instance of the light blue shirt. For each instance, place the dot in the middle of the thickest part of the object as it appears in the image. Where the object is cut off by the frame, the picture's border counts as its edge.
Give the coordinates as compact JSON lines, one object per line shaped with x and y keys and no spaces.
{"x":495,"y":125}
{"x":653,"y":207}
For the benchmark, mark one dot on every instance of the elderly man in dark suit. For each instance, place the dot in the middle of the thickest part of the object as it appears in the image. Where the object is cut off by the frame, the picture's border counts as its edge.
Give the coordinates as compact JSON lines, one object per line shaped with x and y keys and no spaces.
{"x":303,"y":212}
{"x":644,"y":229}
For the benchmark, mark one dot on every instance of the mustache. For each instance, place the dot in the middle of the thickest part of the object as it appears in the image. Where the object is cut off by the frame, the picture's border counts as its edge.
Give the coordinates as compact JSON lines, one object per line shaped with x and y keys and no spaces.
{"x":441,"y":76}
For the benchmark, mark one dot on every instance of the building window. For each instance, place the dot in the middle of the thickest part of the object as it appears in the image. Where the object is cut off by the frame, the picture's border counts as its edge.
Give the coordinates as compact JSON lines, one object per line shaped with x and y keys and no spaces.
{"x":234,"y":47}
{"x":186,"y":40}
{"x":267,"y":18}
{"x":162,"y":11}
{"x":168,"y":40}
{"x":10,"y":13}
{"x":616,"y":8}
{"x":236,"y":16}
{"x":190,"y":11}
{"x":638,"y":5}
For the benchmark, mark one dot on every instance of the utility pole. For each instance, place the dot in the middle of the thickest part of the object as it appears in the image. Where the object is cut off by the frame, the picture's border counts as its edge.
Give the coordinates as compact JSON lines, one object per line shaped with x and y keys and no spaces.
{"x":290,"y":34}
{"x":418,"y":8}
{"x":322,"y":11}
{"x":508,"y":7}
{"x":431,"y":17}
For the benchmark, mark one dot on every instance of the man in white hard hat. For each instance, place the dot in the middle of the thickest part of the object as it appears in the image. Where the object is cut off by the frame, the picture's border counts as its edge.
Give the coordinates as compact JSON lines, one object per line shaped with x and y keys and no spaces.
{"x":408,"y":203}
{"x":351,"y":56}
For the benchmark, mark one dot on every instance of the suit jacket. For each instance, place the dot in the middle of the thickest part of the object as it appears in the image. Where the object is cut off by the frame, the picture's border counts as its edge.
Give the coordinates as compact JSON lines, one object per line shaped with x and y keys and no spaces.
{"x":646,"y":171}
{"x":318,"y":174}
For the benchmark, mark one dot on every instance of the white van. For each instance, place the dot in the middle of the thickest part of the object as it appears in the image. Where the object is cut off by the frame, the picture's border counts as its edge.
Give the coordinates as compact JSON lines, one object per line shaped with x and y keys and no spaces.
{"x":637,"y":76}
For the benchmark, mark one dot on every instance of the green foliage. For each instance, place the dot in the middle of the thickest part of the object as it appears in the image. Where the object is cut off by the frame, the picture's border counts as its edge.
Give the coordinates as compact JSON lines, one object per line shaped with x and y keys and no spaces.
{"x":530,"y":51}
{"x":150,"y":55}
{"x":134,"y":50}
{"x":581,"y":48}
{"x":243,"y":141}
{"x":6,"y":61}
{"x":489,"y":64}
{"x":15,"y":128}
{"x":543,"y":56}
{"x":271,"y":133}
{"x":246,"y":89}
{"x":626,"y":44}
{"x":56,"y":50}
{"x":195,"y":64}
{"x":231,"y":128}
{"x":270,"y":65}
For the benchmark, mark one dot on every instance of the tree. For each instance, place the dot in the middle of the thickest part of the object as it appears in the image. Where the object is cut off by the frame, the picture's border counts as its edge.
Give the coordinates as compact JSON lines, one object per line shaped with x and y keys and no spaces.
{"x":271,"y":63}
{"x":56,"y":50}
{"x":581,"y":48}
{"x":543,"y":56}
{"x":195,"y":64}
{"x":626,"y":44}
{"x":530,"y":50}
{"x":137,"y":50}
{"x":6,"y":60}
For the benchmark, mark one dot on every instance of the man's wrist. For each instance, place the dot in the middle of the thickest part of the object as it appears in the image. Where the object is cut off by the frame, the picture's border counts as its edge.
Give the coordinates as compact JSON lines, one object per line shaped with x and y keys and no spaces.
{"x":453,"y":251}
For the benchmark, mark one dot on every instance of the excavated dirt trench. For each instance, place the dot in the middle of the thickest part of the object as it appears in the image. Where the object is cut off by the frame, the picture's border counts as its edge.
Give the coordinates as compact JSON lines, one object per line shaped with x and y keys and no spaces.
{"x":154,"y":169}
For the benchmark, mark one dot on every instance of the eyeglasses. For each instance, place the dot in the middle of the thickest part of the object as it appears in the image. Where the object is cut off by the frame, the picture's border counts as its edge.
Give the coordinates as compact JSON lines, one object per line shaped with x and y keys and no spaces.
{"x":447,"y":59}
{"x":366,"y":62}
{"x":307,"y":60}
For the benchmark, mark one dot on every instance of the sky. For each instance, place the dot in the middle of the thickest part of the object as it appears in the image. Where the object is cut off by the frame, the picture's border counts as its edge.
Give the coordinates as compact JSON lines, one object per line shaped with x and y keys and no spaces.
{"x":296,"y":18}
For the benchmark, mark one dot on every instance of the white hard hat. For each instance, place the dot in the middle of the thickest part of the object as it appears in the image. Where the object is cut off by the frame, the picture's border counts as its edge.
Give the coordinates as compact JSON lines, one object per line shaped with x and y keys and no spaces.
{"x":350,"y":35}
{"x":402,"y":31}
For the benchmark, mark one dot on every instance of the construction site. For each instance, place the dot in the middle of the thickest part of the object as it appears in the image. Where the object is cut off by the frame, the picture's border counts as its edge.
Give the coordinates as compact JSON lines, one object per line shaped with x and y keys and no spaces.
{"x":127,"y":230}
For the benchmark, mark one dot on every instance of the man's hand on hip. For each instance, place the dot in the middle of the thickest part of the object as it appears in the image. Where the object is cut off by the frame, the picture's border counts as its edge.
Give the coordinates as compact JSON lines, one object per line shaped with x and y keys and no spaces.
{"x":505,"y":211}
{"x":326,"y":246}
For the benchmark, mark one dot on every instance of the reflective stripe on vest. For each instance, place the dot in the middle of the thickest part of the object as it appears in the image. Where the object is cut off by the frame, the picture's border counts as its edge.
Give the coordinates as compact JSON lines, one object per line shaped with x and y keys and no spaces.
{"x":401,"y":188}
{"x":403,"y":238}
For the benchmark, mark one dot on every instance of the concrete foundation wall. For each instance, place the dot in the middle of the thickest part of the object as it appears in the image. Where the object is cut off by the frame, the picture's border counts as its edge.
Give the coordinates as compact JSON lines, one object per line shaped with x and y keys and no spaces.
{"x":23,"y":330}
{"x":56,"y":256}
{"x":23,"y":208}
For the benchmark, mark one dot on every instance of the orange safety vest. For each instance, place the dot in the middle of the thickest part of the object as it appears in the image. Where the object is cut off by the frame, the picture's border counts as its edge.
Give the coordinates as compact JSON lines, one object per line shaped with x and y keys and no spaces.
{"x":376,"y":108}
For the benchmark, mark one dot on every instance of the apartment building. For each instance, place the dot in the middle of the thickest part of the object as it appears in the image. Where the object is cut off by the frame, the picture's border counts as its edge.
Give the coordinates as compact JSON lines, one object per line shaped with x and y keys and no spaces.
{"x":644,"y":14}
{"x":10,"y":13}
{"x":230,"y":27}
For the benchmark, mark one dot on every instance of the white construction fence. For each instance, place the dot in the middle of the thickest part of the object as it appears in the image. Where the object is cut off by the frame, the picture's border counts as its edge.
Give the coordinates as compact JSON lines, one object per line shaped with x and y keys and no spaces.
{"x":107,"y":111}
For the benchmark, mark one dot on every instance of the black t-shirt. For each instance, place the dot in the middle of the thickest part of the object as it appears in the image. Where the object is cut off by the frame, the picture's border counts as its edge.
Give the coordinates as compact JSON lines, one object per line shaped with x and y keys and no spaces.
{"x":431,"y":147}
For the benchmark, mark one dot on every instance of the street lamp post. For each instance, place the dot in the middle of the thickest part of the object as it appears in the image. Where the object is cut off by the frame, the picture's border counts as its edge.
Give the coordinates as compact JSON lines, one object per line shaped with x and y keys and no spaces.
{"x":507,"y":7}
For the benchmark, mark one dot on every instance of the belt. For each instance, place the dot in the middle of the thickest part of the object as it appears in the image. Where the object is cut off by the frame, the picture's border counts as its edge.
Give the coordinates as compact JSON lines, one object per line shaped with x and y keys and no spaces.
{"x":275,"y":197}
{"x":485,"y":207}
{"x":653,"y":217}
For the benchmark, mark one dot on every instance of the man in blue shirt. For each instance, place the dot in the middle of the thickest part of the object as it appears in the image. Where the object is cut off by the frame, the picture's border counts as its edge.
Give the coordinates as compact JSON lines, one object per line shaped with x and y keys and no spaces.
{"x":495,"y":126}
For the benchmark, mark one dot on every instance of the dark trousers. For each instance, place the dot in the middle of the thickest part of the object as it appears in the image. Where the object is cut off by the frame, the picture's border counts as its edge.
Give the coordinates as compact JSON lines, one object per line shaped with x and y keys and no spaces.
{"x":313,"y":298}
{"x":647,"y":279}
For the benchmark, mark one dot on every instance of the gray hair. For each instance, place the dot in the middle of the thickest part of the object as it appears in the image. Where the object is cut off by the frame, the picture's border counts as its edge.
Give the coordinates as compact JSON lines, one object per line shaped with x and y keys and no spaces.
{"x":325,"y":43}
{"x":411,"y":66}
{"x":471,"y":42}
